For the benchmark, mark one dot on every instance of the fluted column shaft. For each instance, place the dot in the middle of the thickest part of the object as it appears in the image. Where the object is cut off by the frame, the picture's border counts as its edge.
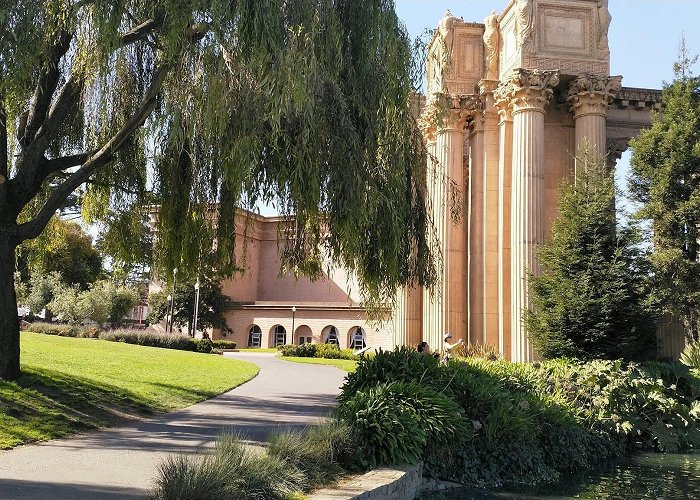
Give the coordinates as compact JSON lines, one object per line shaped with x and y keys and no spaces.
{"x":432,"y":299}
{"x":490,"y":215}
{"x":505,"y":165}
{"x":450,"y":148}
{"x":476,"y":232}
{"x":529,"y":92}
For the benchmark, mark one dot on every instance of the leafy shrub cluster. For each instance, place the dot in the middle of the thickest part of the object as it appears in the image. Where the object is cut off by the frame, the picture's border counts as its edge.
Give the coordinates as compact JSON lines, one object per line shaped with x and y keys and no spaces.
{"x":691,"y":356}
{"x":477,"y":351}
{"x":224,"y":344}
{"x":294,"y":462}
{"x":88,"y":332}
{"x":516,"y":423}
{"x":166,"y":341}
{"x":328,"y":351}
{"x":395,"y":422}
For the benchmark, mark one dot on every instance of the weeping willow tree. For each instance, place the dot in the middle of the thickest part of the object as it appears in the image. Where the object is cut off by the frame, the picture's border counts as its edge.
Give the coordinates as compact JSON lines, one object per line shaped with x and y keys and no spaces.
{"x":201,"y":107}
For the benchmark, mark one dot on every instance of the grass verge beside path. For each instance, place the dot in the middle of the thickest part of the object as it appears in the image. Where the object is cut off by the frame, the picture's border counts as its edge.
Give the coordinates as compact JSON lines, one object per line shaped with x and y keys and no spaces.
{"x":71,"y":385}
{"x":347,"y":365}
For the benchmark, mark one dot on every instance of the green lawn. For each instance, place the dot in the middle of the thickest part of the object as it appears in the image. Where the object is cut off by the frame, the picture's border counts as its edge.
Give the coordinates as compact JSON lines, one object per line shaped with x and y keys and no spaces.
{"x":347,"y":365}
{"x":71,"y":385}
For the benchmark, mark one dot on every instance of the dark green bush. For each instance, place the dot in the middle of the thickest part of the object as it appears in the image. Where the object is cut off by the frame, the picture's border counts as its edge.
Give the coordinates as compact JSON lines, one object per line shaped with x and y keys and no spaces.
{"x":402,"y":363}
{"x":150,"y":339}
{"x":328,"y":351}
{"x":529,"y":422}
{"x":393,"y":423}
{"x":88,"y":332}
{"x":224,"y":344}
{"x":203,"y":345}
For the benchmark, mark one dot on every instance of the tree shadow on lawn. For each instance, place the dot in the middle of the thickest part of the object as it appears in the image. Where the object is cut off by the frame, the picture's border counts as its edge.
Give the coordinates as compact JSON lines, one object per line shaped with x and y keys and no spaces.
{"x":46,"y":404}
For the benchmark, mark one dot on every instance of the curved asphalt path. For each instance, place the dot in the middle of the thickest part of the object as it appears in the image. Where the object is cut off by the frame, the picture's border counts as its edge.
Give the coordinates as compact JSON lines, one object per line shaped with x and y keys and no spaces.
{"x":121,"y":463}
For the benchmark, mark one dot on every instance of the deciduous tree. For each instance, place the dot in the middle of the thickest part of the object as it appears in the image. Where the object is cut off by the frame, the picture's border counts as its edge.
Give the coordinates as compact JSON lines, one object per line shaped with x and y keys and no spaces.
{"x":205,"y":106}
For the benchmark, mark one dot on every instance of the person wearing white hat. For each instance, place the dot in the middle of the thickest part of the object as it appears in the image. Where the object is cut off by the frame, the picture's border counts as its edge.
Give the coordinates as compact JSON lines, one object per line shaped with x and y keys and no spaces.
{"x":447,"y":347}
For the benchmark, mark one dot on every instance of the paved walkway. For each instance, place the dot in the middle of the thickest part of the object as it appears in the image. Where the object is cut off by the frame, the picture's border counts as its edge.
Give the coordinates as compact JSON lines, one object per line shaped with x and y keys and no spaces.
{"x":121,"y":463}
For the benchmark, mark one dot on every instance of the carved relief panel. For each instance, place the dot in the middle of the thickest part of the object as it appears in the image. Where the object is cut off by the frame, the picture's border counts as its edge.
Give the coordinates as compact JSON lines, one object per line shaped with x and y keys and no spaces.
{"x":568,"y":35}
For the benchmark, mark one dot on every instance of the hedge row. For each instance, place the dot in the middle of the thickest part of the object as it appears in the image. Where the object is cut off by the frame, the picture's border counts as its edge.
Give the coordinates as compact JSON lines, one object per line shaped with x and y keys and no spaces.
{"x":328,"y":351}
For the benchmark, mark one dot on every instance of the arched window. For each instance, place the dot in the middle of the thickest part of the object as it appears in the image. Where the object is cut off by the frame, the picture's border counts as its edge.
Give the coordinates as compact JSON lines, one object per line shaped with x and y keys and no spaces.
{"x":255,"y":336}
{"x":357,"y":338}
{"x":332,"y":336}
{"x":279,"y":336}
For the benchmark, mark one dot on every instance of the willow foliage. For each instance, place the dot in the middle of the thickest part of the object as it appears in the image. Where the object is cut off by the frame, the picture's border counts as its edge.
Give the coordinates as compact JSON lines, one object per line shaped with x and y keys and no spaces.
{"x":202,"y":107}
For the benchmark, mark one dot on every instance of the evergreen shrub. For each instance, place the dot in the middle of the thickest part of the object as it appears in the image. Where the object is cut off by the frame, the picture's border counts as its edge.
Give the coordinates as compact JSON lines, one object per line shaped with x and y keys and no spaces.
{"x":88,"y":332}
{"x":394,"y":422}
{"x":328,"y":351}
{"x":525,"y":423}
{"x":166,"y":341}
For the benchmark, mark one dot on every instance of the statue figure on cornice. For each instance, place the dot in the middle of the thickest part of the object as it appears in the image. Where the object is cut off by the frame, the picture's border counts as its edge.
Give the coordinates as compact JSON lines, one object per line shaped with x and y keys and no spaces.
{"x":491,"y":42}
{"x":525,"y":15}
{"x":604,"y":19}
{"x":445,"y":28}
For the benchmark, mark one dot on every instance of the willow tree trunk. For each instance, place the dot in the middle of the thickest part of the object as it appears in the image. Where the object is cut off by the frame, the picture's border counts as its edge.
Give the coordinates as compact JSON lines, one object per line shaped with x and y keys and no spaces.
{"x":9,"y":322}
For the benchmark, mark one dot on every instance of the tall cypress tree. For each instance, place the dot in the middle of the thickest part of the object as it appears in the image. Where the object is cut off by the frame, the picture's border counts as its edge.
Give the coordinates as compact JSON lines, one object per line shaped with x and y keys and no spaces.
{"x":666,"y":181}
{"x":589,"y":301}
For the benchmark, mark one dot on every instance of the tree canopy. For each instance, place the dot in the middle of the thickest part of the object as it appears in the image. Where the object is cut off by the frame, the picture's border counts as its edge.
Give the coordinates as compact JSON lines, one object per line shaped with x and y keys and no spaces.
{"x":665,"y":180}
{"x":63,"y":248}
{"x":590,"y":300}
{"x":206,"y":106}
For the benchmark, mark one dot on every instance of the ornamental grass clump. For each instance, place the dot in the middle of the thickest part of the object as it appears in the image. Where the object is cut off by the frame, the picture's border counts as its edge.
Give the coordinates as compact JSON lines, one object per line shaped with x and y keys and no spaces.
{"x":295,"y":462}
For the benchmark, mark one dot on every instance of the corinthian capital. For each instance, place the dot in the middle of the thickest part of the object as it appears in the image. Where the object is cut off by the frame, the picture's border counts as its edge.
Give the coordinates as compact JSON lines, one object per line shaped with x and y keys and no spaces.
{"x":449,"y":112}
{"x":591,"y":94}
{"x":526,"y":90}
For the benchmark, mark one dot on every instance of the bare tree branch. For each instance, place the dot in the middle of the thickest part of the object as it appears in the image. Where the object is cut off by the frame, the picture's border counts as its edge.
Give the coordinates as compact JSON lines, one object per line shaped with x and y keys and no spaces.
{"x":46,"y":86}
{"x":99,"y":159}
{"x":141,"y":31}
{"x":64,"y":162}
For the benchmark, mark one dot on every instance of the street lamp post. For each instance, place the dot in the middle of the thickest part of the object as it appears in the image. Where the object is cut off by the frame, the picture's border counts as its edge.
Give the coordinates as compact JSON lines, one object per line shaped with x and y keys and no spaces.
{"x":294,"y":310}
{"x":196,"y":307}
{"x":168,"y":316}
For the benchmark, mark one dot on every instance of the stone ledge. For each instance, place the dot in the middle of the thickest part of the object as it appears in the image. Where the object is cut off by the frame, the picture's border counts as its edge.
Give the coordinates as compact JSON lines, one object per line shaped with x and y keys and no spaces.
{"x":381,"y":484}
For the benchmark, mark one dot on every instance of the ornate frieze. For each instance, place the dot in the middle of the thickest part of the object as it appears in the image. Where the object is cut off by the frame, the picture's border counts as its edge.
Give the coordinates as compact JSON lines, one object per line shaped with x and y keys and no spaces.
{"x":592,"y":94}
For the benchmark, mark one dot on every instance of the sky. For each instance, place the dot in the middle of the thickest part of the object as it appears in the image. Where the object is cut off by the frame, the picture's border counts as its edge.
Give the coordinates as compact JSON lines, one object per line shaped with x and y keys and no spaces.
{"x":644,"y":37}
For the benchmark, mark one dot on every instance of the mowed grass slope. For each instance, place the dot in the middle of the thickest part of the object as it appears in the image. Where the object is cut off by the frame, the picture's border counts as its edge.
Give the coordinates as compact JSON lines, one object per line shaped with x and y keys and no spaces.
{"x":71,"y":385}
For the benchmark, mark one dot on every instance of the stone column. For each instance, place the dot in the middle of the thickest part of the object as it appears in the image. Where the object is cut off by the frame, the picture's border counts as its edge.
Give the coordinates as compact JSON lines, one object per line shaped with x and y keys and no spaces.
{"x":589,"y":97}
{"x":475,"y":214}
{"x":530,"y":92}
{"x":505,"y":165}
{"x":490,"y":215}
{"x":450,"y":149}
{"x":431,"y":299}
{"x":445,"y":307}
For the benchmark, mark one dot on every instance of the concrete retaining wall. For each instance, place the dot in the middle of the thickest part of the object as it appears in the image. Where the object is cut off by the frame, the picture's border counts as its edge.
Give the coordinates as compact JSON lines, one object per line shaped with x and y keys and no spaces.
{"x":401,"y":483}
